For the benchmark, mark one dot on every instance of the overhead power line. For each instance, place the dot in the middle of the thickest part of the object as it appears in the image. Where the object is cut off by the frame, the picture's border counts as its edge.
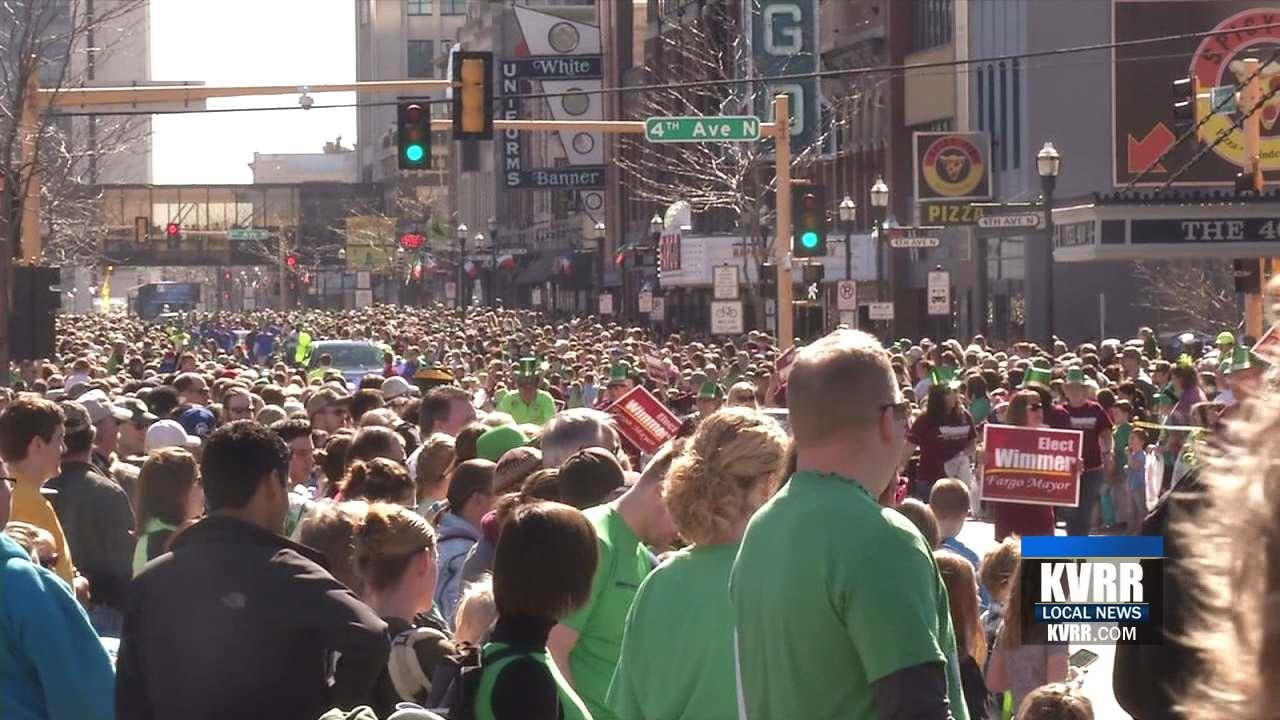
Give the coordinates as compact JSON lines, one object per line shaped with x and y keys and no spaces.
{"x":1223,"y":134}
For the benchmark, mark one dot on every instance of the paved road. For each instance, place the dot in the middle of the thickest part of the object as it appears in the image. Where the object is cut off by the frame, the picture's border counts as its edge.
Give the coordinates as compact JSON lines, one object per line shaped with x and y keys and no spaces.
{"x":980,"y":537}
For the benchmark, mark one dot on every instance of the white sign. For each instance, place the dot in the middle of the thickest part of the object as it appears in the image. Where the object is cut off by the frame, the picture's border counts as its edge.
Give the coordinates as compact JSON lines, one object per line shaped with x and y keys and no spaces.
{"x":535,"y":296}
{"x":724,"y":282}
{"x":248,"y":234}
{"x":451,"y":290}
{"x":644,"y":301}
{"x":606,"y":304}
{"x":1021,"y":220}
{"x":362,"y":280}
{"x":880,"y":310}
{"x":846,"y":295}
{"x":658,"y":313}
{"x":849,"y":318}
{"x":364,"y":298}
{"x":939,"y":292}
{"x":914,"y":242}
{"x":726,"y":317}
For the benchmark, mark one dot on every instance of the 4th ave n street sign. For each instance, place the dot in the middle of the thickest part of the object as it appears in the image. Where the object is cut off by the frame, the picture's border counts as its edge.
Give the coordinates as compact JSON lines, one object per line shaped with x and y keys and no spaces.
{"x":729,"y":128}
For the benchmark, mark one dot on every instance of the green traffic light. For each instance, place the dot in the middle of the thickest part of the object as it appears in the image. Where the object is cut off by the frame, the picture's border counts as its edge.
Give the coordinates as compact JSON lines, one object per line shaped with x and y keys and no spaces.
{"x":809,"y":240}
{"x":414,"y":153}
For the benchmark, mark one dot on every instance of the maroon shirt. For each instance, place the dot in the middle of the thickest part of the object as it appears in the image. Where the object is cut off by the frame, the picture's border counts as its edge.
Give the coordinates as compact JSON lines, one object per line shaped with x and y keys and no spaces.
{"x":939,"y":440}
{"x":1092,"y":420}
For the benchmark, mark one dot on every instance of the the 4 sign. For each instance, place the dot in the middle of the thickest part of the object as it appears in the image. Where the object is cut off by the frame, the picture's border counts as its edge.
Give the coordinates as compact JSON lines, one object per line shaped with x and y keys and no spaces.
{"x":784,"y":37}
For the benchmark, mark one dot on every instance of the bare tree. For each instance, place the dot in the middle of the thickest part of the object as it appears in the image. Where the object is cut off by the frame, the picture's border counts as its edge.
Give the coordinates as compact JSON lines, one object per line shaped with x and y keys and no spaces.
{"x":40,"y":43}
{"x":1198,"y":293}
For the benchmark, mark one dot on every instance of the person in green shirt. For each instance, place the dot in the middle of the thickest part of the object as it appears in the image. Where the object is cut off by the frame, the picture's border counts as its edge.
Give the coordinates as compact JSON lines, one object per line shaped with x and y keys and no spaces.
{"x":677,"y":649}
{"x":839,"y":608}
{"x":528,"y":405}
{"x":586,"y":644}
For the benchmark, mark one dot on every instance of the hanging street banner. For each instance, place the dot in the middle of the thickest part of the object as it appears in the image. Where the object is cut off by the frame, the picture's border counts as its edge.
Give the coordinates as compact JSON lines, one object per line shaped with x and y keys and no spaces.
{"x":1142,"y":132}
{"x":1037,"y":466}
{"x":647,"y":423}
{"x":951,"y":166}
{"x":784,"y":40}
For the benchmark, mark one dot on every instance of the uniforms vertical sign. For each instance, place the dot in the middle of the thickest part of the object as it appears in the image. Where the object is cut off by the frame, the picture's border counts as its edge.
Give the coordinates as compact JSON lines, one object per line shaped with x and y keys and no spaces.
{"x":784,"y":39}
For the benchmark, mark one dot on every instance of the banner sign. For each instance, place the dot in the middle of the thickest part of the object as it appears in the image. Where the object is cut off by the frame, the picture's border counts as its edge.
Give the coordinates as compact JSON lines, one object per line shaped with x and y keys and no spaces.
{"x":572,"y":67}
{"x":568,"y":178}
{"x":951,"y":166}
{"x":951,"y":214}
{"x":644,"y":421}
{"x":1141,"y":132}
{"x":1037,"y":466}
{"x":784,"y":41}
{"x":654,"y":367}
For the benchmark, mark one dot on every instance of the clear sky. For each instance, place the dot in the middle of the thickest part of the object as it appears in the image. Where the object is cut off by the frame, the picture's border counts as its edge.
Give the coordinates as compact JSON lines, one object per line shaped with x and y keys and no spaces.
{"x":249,"y":42}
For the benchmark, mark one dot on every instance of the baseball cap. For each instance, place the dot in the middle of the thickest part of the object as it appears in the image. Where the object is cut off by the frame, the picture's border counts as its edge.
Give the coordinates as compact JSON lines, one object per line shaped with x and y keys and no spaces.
{"x":588,"y":476}
{"x":137,"y":410}
{"x":99,"y":407}
{"x":198,"y":421}
{"x":167,"y":434}
{"x":395,"y":386}
{"x":497,"y":441}
{"x":76,"y":416}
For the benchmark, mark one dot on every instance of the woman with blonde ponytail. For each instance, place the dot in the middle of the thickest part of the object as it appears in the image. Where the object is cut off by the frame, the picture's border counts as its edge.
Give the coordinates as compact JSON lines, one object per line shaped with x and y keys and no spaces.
{"x":677,"y":651}
{"x":395,"y":557}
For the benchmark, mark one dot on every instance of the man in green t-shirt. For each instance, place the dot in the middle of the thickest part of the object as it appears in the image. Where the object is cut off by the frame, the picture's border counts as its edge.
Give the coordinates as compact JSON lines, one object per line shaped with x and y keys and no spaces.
{"x":586,"y":645}
{"x":528,"y":405}
{"x":839,"y":609}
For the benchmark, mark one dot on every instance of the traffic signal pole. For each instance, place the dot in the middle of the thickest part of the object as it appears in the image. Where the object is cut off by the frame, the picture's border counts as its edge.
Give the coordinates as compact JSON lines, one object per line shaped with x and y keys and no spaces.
{"x":781,"y":131}
{"x":1250,"y":97}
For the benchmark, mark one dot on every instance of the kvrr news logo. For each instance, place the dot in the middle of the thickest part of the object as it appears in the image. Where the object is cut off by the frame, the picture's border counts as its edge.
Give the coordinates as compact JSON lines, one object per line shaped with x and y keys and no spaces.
{"x":1092,"y":590}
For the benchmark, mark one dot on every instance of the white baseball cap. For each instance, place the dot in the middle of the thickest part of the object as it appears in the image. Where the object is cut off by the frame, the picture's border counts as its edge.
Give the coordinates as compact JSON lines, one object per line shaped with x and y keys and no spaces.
{"x":395,"y":386}
{"x":99,"y":407}
{"x":167,"y":434}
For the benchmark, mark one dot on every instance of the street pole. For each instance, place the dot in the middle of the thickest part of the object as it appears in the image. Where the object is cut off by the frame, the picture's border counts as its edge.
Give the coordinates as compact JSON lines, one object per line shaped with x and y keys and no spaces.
{"x":462,"y":273}
{"x":879,"y":258}
{"x":30,"y":131}
{"x":848,"y":250}
{"x":782,"y":242}
{"x":1047,"y":183}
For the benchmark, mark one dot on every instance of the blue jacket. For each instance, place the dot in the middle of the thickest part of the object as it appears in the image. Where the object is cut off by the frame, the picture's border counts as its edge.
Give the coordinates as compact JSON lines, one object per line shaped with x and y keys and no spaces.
{"x":52,"y":664}
{"x":456,"y":538}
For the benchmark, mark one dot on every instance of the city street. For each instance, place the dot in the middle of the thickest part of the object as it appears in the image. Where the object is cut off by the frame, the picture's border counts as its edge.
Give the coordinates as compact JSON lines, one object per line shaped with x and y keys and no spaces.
{"x":979,"y":536}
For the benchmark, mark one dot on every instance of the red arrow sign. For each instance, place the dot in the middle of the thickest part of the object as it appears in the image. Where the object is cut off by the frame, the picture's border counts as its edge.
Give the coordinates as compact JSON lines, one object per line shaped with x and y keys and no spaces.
{"x":1146,"y":151}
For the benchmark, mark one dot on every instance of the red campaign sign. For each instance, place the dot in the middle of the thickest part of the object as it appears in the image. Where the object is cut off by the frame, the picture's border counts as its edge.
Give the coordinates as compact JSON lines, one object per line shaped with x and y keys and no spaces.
{"x":645,"y":422}
{"x":1268,"y":346}
{"x":655,"y":367}
{"x":1037,"y":466}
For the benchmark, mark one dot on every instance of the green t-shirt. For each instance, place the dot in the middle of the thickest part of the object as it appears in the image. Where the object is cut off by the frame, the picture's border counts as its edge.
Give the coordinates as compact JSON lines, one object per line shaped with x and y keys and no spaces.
{"x":677,"y":653}
{"x":1120,"y":445}
{"x":539,"y":412}
{"x":571,"y":707}
{"x":980,"y":409}
{"x":832,"y":592}
{"x":624,"y":562}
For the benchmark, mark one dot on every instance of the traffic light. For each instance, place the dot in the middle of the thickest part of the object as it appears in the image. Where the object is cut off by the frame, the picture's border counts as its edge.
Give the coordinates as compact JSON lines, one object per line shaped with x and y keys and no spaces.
{"x":809,"y":229}
{"x":173,"y":231}
{"x":473,"y":96}
{"x":291,"y":261}
{"x":414,"y":136}
{"x":1184,"y":104}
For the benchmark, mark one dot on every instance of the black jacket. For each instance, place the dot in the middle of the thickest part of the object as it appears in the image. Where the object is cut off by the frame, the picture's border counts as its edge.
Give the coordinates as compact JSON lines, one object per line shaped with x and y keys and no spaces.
{"x":238,"y":622}
{"x":98,"y":521}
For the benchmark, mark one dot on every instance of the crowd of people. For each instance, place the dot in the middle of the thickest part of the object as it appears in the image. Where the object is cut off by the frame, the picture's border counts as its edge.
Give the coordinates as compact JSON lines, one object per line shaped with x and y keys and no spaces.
{"x":204,"y":518}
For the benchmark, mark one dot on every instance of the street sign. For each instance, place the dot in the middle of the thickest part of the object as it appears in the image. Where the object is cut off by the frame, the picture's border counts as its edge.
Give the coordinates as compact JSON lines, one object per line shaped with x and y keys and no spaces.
{"x":729,"y":128}
{"x":606,"y":304}
{"x":518,"y":250}
{"x":939,"y":292}
{"x":451,"y":290}
{"x":535,"y":297}
{"x":1020,"y":220}
{"x":847,"y":295}
{"x":914,"y":237}
{"x":644,"y":301}
{"x":880,"y":310}
{"x":658,"y":313}
{"x":724,"y":282}
{"x":248,"y":234}
{"x":726,"y":317}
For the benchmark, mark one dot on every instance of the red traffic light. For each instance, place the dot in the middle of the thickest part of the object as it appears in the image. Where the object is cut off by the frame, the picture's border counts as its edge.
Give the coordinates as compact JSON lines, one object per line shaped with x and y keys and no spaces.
{"x":412,"y":241}
{"x":172,"y":230}
{"x":291,"y":260}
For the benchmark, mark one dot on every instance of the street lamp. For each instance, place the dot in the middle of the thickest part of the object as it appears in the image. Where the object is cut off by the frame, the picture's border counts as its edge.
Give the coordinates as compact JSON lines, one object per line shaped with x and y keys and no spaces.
{"x":848,"y":211}
{"x":599,"y":259}
{"x":655,"y":224}
{"x":462,"y":258}
{"x":1048,"y":164}
{"x":879,"y":203}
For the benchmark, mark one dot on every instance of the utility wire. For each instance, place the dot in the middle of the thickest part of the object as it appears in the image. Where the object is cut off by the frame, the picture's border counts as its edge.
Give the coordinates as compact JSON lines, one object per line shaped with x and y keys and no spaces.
{"x":1201,"y":123}
{"x":891,"y":70}
{"x":1222,"y":135}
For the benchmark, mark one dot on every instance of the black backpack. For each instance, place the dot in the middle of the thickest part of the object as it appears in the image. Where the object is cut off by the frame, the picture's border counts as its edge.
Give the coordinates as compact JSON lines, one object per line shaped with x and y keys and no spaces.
{"x":456,"y":682}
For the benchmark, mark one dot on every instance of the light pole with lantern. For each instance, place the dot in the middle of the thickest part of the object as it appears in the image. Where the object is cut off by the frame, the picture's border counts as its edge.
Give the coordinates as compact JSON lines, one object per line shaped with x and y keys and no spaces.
{"x":462,"y":258}
{"x":1048,"y":164}
{"x":656,"y":226}
{"x":848,"y":212}
{"x":493,"y":251}
{"x":879,"y":204}
{"x":598,"y":274}
{"x":479,"y":247}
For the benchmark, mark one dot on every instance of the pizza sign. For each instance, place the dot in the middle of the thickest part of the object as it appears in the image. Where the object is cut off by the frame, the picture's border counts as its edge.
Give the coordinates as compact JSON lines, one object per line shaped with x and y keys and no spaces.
{"x":952,"y":166}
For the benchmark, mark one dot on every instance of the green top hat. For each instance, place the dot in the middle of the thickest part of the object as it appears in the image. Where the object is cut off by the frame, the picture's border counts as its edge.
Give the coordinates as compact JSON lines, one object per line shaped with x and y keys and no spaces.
{"x":617,"y":374}
{"x":1167,"y":395}
{"x":1244,"y":359}
{"x":1075,"y":375}
{"x":944,"y":376}
{"x":710,"y":391}
{"x":529,"y":368}
{"x":1037,"y":377}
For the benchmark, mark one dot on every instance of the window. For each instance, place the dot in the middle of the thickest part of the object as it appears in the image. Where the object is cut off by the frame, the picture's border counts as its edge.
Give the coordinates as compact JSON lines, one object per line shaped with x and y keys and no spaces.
{"x":931,"y":23}
{"x":422,"y":57}
{"x":453,"y":7}
{"x":418,"y":7}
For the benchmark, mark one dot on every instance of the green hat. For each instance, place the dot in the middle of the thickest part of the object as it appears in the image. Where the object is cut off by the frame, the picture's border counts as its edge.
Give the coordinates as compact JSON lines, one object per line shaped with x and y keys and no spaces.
{"x":529,"y":368}
{"x":1168,"y":395}
{"x":1244,"y":359}
{"x":1225,"y":338}
{"x":1037,"y":377}
{"x":944,"y":376}
{"x":617,"y":374}
{"x":495,"y":442}
{"x":710,"y":391}
{"x":1075,"y":376}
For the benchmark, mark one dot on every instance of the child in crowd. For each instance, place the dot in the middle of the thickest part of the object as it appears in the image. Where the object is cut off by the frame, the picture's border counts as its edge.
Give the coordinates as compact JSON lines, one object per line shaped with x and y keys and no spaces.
{"x":1056,"y":701}
{"x":922,"y":517}
{"x":971,"y":642}
{"x":949,"y":501}
{"x":1022,"y":660}
{"x":1115,"y":492}
{"x":996,"y":574}
{"x":477,"y":613}
{"x":1136,"y":478}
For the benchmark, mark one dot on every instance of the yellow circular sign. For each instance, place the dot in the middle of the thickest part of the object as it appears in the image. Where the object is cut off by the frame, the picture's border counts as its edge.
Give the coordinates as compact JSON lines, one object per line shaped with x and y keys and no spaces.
{"x":952,"y":166}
